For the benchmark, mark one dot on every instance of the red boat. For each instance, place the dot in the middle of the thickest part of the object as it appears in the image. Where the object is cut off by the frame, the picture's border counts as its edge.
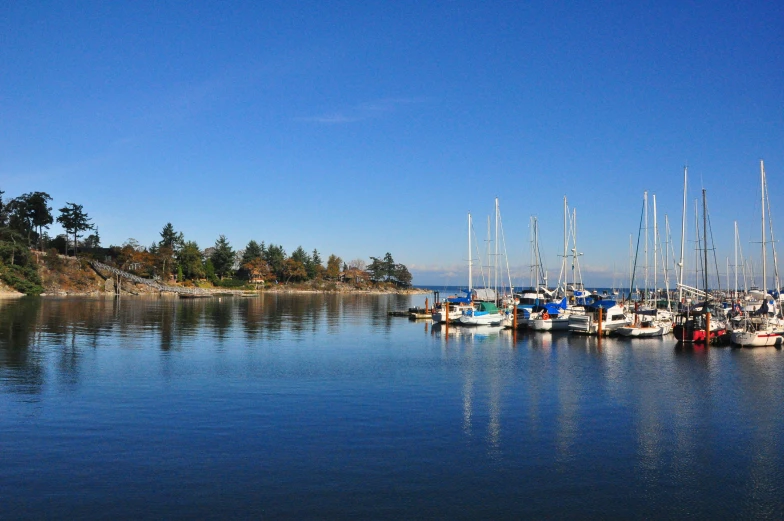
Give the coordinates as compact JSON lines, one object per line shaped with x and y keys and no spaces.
{"x":690,"y":327}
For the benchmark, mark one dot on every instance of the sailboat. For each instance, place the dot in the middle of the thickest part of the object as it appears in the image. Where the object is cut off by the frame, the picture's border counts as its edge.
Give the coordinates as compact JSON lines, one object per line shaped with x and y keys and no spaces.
{"x":555,"y":315}
{"x":649,"y":320}
{"x":761,"y":327}
{"x":484,"y":310}
{"x":452,"y":308}
{"x":704,"y":321}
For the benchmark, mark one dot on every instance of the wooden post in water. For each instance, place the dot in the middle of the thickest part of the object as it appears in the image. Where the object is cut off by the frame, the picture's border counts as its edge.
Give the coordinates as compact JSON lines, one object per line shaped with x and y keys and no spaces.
{"x":514,"y":316}
{"x":426,"y":307}
{"x":707,"y":325}
{"x":599,"y":330}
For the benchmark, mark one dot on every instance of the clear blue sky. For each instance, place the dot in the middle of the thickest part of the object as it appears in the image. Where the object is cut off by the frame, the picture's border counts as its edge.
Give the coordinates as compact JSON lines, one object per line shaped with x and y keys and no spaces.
{"x":359,"y":128}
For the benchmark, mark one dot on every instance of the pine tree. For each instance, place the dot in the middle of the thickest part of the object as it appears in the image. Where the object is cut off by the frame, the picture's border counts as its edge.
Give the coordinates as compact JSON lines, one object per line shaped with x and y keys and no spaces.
{"x":74,"y":220}
{"x":223,"y":257}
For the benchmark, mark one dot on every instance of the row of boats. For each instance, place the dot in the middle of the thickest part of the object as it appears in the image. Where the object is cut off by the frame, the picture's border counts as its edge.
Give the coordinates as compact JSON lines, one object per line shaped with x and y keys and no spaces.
{"x":748,"y":320}
{"x":752,"y":318}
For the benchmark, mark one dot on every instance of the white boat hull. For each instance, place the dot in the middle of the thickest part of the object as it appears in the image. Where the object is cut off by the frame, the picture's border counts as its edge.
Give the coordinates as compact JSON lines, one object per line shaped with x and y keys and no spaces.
{"x":645,"y":331}
{"x":757,"y":338}
{"x":550,"y":324}
{"x":491,"y":319}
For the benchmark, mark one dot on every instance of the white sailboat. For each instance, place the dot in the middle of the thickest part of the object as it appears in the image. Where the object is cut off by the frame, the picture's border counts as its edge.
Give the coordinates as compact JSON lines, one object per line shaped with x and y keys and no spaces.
{"x":649,"y":320}
{"x":761,"y":327}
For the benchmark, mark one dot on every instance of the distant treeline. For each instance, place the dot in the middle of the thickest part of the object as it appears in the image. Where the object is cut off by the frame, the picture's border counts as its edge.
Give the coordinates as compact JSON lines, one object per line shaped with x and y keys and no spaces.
{"x":24,"y":222}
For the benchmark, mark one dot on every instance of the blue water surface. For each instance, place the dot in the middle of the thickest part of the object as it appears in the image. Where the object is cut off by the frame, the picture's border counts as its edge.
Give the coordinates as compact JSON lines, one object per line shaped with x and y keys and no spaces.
{"x":323,"y":406}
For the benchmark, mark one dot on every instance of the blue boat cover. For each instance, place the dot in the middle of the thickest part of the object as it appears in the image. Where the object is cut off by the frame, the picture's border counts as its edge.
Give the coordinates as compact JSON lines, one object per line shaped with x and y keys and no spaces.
{"x":604,"y":304}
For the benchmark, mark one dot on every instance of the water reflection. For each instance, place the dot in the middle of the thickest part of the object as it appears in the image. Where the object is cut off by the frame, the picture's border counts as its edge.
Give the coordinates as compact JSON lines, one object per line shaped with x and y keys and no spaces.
{"x":667,"y":430}
{"x":21,"y":365}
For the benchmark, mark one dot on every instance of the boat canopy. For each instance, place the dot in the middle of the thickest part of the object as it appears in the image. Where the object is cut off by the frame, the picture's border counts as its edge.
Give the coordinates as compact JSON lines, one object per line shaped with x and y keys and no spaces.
{"x":604,"y":304}
{"x":487,"y":294}
{"x":458,"y":300}
{"x":488,"y":307}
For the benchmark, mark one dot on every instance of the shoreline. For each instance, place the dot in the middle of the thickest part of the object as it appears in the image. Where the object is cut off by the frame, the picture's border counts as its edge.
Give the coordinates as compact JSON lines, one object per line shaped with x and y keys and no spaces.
{"x":222,"y":293}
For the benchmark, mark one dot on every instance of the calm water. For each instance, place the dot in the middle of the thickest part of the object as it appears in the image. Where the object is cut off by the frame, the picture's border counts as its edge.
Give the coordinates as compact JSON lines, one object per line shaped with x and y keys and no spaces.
{"x":324,"y":407}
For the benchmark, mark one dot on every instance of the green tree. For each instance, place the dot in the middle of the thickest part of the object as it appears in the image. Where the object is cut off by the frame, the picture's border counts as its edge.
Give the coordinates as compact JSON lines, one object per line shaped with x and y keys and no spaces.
{"x":401,"y":275}
{"x":389,"y":266}
{"x":314,"y":267}
{"x":333,"y":267}
{"x":93,"y":240}
{"x":209,"y":270}
{"x":377,"y":269}
{"x":190,"y":261}
{"x":41,"y":213}
{"x":20,"y":217}
{"x":74,"y":220}
{"x":223,"y":257}
{"x":171,"y":238}
{"x":3,"y":211}
{"x":276,"y":257}
{"x":31,"y":212}
{"x":170,"y":244}
{"x":252,"y":251}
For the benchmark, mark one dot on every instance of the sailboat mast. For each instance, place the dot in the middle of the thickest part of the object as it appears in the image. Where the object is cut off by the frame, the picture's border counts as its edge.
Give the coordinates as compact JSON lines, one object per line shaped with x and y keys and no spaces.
{"x":683,"y":238}
{"x":566,"y":246}
{"x":655,"y":249}
{"x":764,"y":250}
{"x":736,"y":258}
{"x":645,"y":211}
{"x":470,"y":264}
{"x":705,"y":242}
{"x":495,"y":259}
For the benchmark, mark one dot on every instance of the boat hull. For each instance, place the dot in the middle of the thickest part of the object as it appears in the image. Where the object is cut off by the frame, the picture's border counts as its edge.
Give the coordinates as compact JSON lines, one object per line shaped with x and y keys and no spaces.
{"x":696,"y":336}
{"x":757,"y":338}
{"x":644,"y":332}
{"x":491,"y":319}
{"x":550,"y":324}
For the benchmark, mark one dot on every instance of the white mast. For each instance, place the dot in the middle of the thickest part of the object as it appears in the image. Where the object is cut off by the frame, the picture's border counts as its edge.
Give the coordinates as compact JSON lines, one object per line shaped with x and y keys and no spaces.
{"x":655,"y":244}
{"x":631,"y":269}
{"x":470,"y":264}
{"x":736,"y":258}
{"x":566,"y":246}
{"x":764,"y":250}
{"x":645,"y":211}
{"x":683,"y":238}
{"x":495,"y":261}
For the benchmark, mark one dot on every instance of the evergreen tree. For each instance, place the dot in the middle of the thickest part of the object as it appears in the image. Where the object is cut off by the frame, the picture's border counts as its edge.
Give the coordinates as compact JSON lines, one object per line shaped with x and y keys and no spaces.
{"x":376,"y":269}
{"x":389,"y":266}
{"x":93,"y":240}
{"x":3,"y":211}
{"x":209,"y":270}
{"x":190,"y":261}
{"x":301,"y":257}
{"x":402,"y":276}
{"x":171,"y":238}
{"x":74,"y":220}
{"x":223,"y":257}
{"x":313,"y":266}
{"x":276,"y":257}
{"x":252,"y":251}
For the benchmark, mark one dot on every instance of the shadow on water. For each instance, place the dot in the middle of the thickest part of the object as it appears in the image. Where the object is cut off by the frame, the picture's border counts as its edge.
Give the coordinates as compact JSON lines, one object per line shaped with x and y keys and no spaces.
{"x":21,"y":365}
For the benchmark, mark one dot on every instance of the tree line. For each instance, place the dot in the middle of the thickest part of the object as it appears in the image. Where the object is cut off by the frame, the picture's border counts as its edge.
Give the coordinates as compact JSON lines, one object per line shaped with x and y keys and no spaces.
{"x":173,"y":257}
{"x":25,"y":220}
